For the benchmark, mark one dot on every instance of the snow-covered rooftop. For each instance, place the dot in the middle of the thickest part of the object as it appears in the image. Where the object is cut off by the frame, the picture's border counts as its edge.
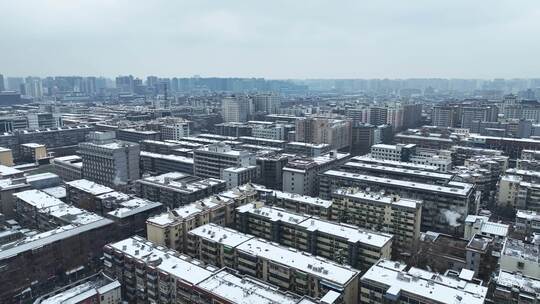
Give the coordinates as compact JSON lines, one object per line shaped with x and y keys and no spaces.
{"x":89,"y":187}
{"x":435,"y":287}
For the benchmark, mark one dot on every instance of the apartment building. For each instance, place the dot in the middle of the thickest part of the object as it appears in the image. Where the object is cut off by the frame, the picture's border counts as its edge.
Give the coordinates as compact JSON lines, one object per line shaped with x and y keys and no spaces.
{"x":155,"y":163}
{"x":61,"y":238}
{"x":399,"y":152}
{"x":301,"y":176}
{"x":68,"y":167}
{"x":517,"y":256}
{"x":381,"y":170}
{"x":509,"y":287}
{"x":211,"y":160}
{"x":237,"y":176}
{"x":398,"y":216}
{"x":84,"y":194}
{"x":340,"y":242}
{"x":150,"y":273}
{"x":109,"y":162}
{"x":98,"y":288}
{"x":307,"y":149}
{"x":6,"y":157}
{"x":134,"y":135}
{"x":367,"y":159}
{"x":262,"y":141}
{"x":128,"y":212}
{"x":9,"y":186}
{"x":300,"y":203}
{"x":516,"y":193}
{"x":33,"y":152}
{"x":170,"y":228}
{"x":527,"y":221}
{"x":271,"y":170}
{"x":391,"y":282}
{"x":481,"y":225}
{"x":174,"y":189}
{"x":322,"y":130}
{"x":444,"y":207}
{"x":174,"y":131}
{"x":442,"y":159}
{"x":289,"y":269}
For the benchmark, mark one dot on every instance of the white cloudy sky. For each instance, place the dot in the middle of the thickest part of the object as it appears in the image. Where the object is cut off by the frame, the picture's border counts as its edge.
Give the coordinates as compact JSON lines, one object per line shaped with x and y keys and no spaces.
{"x":272,"y":38}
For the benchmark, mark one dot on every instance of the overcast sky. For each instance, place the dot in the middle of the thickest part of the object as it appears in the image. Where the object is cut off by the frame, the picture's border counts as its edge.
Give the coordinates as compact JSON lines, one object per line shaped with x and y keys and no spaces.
{"x":271,"y":38}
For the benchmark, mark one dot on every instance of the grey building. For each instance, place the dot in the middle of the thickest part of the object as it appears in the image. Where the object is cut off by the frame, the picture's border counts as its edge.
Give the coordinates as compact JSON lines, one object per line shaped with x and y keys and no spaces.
{"x":109,"y":162}
{"x":211,"y":160}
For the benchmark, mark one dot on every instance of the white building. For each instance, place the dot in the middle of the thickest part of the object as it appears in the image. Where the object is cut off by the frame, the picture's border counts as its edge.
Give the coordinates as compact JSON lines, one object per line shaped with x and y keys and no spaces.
{"x":391,"y":282}
{"x":235,"y":109}
{"x":476,"y":224}
{"x":528,"y":221}
{"x":236,"y":176}
{"x":211,"y":160}
{"x":524,"y":258}
{"x":175,"y":131}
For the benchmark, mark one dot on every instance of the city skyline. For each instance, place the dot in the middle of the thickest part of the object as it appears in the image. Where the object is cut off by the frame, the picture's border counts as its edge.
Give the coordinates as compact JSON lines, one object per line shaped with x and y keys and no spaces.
{"x":274,"y":41}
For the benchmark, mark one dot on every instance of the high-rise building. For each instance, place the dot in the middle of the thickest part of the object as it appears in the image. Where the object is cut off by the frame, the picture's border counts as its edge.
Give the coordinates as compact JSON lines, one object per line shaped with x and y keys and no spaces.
{"x":125,"y":84}
{"x":378,"y":115}
{"x":235,"y":109}
{"x":363,"y":137}
{"x":2,"y":84}
{"x":443,"y":116}
{"x":108,"y":161}
{"x":394,"y":117}
{"x":175,"y":131}
{"x":321,"y":130}
{"x":211,"y":160}
{"x":412,"y":115}
{"x":268,"y":103}
{"x":34,"y":87}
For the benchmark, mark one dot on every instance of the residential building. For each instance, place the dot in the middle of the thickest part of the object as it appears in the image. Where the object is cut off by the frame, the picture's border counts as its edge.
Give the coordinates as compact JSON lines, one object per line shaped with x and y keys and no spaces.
{"x":444,"y":208}
{"x":162,"y":147}
{"x":9,"y":186}
{"x":68,"y":167}
{"x":292,"y":270}
{"x":301,"y":175}
{"x":321,"y":130}
{"x":170,"y":228}
{"x":174,"y":189}
{"x":517,"y":256}
{"x":134,"y":135}
{"x":109,"y":162}
{"x":307,"y":149}
{"x":145,"y":270}
{"x":398,"y":216}
{"x":98,"y":288}
{"x":392,"y":281}
{"x":155,"y":163}
{"x":236,"y":176}
{"x":271,"y":170}
{"x":69,"y":238}
{"x":235,"y":109}
{"x":211,"y":160}
{"x":6,"y":157}
{"x":509,"y":287}
{"x":175,"y":131}
{"x":477,"y":224}
{"x":33,"y":152}
{"x":340,"y":242}
{"x":299,"y":203}
{"x":527,"y":221}
{"x":515,"y":193}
